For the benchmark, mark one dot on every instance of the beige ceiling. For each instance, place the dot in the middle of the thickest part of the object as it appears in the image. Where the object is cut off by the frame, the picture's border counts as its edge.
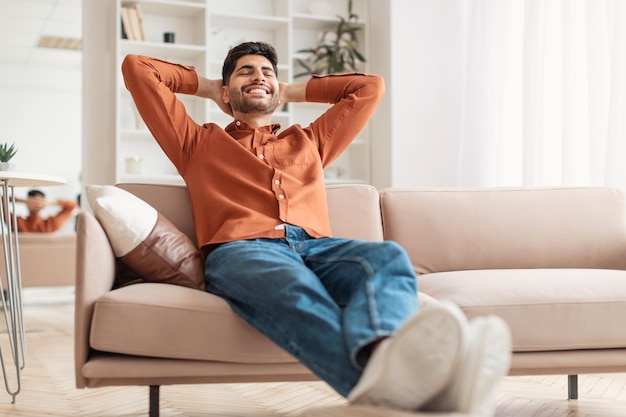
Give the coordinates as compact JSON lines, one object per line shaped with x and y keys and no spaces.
{"x":24,"y":22}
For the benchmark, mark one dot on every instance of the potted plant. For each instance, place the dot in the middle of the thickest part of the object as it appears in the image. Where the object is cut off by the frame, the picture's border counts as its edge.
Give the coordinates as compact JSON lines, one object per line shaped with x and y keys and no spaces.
{"x":7,"y":152}
{"x":337,"y":51}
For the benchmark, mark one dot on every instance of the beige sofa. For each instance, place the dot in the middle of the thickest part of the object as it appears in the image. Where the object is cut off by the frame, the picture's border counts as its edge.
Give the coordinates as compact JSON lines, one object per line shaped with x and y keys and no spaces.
{"x":46,"y":259}
{"x":549,"y":261}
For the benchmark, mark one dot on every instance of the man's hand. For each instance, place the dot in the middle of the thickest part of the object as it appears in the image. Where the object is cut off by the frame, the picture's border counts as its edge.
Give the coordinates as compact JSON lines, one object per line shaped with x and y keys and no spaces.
{"x":212,"y":89}
{"x":292,"y":93}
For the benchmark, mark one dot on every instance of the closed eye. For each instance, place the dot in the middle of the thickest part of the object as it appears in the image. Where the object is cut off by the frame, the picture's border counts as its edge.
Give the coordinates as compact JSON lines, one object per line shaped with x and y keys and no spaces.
{"x":249,"y":70}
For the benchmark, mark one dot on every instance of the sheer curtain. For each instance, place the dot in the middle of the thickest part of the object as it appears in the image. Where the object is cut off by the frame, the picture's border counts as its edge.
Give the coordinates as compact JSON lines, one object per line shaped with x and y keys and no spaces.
{"x":544,"y":93}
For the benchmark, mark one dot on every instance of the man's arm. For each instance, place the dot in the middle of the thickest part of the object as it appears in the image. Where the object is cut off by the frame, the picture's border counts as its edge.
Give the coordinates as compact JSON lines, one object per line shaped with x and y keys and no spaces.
{"x":68,"y":209}
{"x":153,"y":84}
{"x":354,"y":98}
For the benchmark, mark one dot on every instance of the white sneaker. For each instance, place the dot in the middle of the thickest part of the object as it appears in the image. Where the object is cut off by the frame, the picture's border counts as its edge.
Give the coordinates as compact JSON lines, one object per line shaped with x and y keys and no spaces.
{"x":485,"y":362}
{"x":411,"y":367}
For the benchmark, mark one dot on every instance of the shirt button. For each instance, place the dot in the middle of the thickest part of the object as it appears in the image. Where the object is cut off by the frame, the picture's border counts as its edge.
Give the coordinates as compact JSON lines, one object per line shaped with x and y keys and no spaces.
{"x":238,"y":123}
{"x":276,"y":182}
{"x":261,"y":156}
{"x":281,"y":197}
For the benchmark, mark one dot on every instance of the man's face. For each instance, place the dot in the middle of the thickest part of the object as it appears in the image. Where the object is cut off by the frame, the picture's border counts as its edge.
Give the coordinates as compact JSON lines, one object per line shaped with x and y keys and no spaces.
{"x":253,"y":87}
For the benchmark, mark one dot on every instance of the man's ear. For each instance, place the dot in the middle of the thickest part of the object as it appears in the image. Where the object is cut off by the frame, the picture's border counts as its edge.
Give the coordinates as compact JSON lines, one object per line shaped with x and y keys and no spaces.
{"x":225,"y":96}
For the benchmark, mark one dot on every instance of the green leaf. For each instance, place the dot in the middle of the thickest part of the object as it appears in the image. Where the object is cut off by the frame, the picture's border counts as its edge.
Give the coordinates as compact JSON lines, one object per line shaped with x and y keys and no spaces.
{"x":7,"y":152}
{"x":339,"y":55}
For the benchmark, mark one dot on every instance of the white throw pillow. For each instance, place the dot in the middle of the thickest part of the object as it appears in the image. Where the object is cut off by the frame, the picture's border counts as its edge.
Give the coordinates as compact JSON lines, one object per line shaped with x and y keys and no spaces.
{"x":144,"y":240}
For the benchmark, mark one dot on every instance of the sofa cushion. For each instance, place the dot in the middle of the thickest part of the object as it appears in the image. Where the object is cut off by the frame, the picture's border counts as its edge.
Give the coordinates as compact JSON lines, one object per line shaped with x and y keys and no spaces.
{"x":144,"y":240}
{"x":546,"y":309}
{"x":176,"y":322}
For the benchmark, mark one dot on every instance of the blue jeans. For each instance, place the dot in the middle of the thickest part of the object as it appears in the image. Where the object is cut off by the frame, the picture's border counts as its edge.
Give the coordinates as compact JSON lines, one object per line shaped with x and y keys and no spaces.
{"x":322,"y":300}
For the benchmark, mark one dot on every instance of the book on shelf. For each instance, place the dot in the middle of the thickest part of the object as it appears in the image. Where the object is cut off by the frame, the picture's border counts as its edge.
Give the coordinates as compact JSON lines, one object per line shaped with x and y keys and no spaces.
{"x":142,"y":31}
{"x":135,"y":24}
{"x":132,"y":23}
{"x":126,"y":27}
{"x":123,"y":31}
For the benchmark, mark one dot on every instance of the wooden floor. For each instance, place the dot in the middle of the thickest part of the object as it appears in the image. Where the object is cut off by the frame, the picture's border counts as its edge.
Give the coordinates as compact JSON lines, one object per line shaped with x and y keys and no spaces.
{"x":48,"y":385}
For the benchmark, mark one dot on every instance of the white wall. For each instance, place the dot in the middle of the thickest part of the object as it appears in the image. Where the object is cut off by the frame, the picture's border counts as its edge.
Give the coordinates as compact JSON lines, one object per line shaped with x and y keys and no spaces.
{"x":41,"y":111}
{"x":424,"y":91}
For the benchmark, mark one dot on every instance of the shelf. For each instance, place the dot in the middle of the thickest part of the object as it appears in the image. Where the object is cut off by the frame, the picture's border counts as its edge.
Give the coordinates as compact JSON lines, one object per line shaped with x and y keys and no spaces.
{"x":257,"y":8}
{"x":315,"y":22}
{"x":170,"y":8}
{"x":248,"y":21}
{"x":175,"y":51}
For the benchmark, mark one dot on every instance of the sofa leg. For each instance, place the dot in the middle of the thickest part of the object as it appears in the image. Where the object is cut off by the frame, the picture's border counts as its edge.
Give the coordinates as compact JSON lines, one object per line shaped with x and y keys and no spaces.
{"x":154,"y":401}
{"x":572,"y":387}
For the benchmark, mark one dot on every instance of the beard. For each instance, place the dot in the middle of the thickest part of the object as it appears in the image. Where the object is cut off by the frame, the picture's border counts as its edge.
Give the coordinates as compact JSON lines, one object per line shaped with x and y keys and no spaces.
{"x":242,"y":104}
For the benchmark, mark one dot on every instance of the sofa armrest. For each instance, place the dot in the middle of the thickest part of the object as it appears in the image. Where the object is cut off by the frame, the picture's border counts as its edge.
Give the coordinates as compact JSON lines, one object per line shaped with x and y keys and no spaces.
{"x":95,"y":276}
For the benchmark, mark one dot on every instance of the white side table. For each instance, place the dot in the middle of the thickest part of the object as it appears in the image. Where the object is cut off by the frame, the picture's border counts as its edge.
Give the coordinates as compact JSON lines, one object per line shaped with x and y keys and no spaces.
{"x":12,"y":304}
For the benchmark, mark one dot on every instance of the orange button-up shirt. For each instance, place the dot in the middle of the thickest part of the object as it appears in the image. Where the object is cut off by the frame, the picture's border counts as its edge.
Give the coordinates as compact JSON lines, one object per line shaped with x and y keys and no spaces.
{"x":244,"y":183}
{"x":36,"y":223}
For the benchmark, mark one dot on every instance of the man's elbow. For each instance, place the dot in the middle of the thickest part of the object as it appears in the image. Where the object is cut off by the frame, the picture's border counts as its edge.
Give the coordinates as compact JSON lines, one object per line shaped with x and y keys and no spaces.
{"x":129,"y":63}
{"x":381,"y":84}
{"x":377,"y":85}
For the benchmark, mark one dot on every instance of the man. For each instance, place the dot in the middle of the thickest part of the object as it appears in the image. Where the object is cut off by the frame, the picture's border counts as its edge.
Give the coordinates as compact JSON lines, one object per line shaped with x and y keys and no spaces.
{"x":346,"y":309}
{"x":35,"y":202}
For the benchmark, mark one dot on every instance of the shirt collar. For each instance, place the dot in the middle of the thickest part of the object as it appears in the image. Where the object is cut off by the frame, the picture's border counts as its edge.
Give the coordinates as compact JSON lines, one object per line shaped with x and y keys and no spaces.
{"x":239,"y":124}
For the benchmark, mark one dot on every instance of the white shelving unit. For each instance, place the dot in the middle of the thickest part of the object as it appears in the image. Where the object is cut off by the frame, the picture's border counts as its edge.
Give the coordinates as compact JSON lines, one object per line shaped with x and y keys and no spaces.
{"x":204,"y":32}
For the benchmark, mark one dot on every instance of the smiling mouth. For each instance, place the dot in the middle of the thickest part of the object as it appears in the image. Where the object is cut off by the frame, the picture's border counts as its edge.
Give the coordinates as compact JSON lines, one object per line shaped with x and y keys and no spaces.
{"x":258,"y":90}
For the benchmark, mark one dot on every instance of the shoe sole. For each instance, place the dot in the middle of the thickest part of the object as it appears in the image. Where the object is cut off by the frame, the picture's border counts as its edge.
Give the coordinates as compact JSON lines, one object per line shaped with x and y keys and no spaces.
{"x":415,"y":364}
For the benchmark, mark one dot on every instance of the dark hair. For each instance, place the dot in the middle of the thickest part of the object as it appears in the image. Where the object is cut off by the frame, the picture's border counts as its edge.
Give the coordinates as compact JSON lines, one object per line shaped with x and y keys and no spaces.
{"x":36,"y":193}
{"x":247,"y":48}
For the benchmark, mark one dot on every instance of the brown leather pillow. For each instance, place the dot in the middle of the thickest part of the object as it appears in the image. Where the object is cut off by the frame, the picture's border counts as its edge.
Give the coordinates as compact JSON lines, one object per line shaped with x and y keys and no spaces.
{"x":145,"y":241}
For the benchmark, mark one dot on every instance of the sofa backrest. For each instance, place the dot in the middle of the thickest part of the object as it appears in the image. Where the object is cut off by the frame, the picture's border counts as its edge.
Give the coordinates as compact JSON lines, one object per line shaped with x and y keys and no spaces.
{"x":463,"y":229}
{"x":46,"y":259}
{"x":354,"y":210}
{"x":172,"y":201}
